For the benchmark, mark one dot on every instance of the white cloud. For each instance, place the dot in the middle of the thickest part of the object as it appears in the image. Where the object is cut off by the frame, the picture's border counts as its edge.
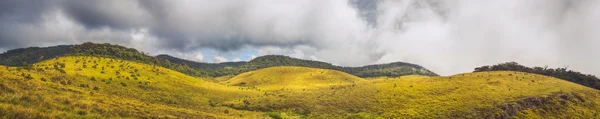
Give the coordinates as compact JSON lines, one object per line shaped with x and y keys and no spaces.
{"x":220,"y":59}
{"x":199,"y":56}
{"x":237,"y":59}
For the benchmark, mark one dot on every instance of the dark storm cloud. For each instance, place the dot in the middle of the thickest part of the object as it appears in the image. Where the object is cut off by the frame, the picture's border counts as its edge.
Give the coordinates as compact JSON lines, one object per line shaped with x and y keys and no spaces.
{"x":24,"y":10}
{"x":108,"y":13}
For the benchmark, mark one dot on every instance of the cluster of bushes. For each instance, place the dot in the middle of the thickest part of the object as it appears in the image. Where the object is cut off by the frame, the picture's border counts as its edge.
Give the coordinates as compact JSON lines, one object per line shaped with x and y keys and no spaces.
{"x":562,"y":73}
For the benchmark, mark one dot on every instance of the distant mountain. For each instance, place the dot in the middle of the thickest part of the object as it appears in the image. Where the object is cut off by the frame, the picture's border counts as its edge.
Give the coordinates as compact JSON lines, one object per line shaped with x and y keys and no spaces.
{"x":26,"y":56}
{"x":210,"y":69}
{"x":231,"y":68}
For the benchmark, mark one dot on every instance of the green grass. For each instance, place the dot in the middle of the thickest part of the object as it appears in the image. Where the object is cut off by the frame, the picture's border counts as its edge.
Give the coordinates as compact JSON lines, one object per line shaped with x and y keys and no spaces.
{"x":138,"y":90}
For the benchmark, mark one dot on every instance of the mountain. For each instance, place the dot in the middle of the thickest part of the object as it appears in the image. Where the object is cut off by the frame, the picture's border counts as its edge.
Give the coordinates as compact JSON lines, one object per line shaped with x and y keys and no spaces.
{"x":232,"y":68}
{"x":25,"y":56}
{"x":102,"y":87}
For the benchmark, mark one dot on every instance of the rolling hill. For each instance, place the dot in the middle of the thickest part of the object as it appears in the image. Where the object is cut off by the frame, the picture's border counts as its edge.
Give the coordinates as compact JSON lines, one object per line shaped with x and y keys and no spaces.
{"x":292,"y":78}
{"x":102,"y":81}
{"x":562,"y":73}
{"x":26,"y":56}
{"x":471,"y":95}
{"x":94,"y":87}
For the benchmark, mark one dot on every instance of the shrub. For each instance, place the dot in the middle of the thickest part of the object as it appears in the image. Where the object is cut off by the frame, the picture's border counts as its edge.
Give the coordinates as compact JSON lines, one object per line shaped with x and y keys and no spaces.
{"x":62,"y":71}
{"x":123,"y":84}
{"x":84,"y":85}
{"x":274,"y":115}
{"x":28,"y":76}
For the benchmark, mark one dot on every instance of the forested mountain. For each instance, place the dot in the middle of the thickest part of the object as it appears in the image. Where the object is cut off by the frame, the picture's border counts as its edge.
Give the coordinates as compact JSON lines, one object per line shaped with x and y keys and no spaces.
{"x":25,"y":56}
{"x":231,"y":68}
{"x":562,"y":73}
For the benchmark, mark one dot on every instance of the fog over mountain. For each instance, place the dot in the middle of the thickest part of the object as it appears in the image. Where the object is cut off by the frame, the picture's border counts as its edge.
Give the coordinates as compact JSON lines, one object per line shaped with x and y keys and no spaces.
{"x":446,"y":36}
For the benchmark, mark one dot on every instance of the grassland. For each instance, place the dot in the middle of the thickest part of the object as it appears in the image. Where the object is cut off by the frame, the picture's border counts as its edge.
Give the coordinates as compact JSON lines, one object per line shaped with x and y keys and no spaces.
{"x":104,"y":88}
{"x":287,"y":77}
{"x":92,"y":87}
{"x":473,"y":95}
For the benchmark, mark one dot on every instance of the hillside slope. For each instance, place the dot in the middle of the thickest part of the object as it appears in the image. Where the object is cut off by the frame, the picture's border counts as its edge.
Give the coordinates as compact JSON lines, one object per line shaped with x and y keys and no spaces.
{"x":562,"y":73}
{"x":472,"y":95}
{"x":92,"y":87}
{"x":292,"y":77}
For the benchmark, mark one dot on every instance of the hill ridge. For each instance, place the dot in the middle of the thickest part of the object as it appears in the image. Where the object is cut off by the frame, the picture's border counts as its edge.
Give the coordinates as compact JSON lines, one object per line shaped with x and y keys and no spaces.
{"x":393,"y":69}
{"x":31,"y":55}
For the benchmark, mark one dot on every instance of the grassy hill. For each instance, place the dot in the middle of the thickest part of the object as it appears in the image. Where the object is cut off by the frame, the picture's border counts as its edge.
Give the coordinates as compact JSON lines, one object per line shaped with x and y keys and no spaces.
{"x":287,"y":77}
{"x":97,"y":87}
{"x":26,"y":56}
{"x":471,"y":95}
{"x":31,"y":55}
{"x":93,"y":87}
{"x":562,"y":73}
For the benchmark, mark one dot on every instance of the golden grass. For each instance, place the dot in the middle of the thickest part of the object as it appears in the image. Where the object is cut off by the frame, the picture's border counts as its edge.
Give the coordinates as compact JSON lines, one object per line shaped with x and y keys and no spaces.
{"x":109,"y":88}
{"x":472,"y":95}
{"x":288,"y":77}
{"x":137,"y":90}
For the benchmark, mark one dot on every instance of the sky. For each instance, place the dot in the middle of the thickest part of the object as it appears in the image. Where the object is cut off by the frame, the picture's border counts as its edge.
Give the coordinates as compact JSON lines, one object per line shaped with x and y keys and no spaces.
{"x":445,"y":36}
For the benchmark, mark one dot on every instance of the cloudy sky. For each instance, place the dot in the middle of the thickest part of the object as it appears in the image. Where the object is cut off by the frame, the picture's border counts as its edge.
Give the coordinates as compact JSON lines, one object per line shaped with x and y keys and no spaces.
{"x":446,"y":36}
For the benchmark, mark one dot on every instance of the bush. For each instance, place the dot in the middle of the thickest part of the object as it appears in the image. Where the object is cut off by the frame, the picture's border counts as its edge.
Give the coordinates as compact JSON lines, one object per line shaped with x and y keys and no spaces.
{"x":123,"y":84}
{"x":274,"y":115}
{"x":28,"y":76}
{"x":84,"y":85}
